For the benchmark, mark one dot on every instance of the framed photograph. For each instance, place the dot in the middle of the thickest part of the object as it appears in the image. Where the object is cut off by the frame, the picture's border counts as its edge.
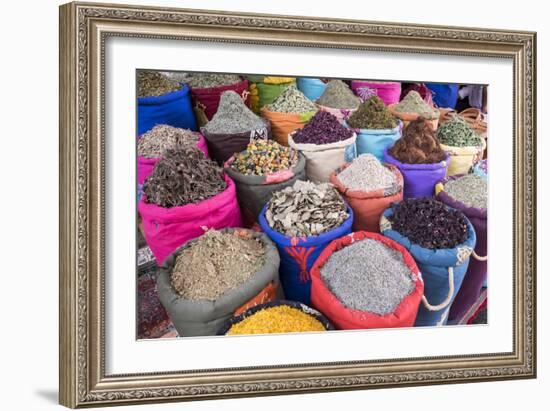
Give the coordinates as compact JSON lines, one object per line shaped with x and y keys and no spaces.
{"x":262,"y":204}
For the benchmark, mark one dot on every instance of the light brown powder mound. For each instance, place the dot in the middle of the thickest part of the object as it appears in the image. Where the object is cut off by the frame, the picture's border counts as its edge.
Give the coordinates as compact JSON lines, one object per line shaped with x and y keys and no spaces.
{"x":216,"y":263}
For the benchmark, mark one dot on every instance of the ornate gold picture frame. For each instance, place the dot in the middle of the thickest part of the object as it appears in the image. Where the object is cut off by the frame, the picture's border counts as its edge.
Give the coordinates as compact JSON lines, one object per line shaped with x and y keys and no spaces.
{"x":84,"y":28}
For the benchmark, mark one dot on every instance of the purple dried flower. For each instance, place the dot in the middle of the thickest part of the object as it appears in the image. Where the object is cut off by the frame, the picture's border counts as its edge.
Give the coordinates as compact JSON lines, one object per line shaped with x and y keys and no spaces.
{"x":324,"y":128}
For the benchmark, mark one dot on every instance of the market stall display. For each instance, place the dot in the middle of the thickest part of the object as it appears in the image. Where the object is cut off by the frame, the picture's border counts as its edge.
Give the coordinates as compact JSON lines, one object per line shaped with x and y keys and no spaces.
{"x":326,"y":145}
{"x":302,"y":220}
{"x":369,"y":187}
{"x":262,"y":169}
{"x":420,"y":159}
{"x":161,"y":100}
{"x":441,"y":240}
{"x":468,"y":193}
{"x":204,"y":282}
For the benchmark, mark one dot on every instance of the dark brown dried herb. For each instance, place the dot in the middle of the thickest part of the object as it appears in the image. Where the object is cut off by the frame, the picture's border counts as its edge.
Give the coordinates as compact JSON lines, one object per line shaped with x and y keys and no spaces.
{"x":183,"y":176}
{"x":429,"y":223}
{"x":418,"y":145}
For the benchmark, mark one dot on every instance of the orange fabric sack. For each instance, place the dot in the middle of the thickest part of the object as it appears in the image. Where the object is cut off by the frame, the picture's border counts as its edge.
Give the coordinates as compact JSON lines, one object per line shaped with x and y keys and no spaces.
{"x":368,"y":206}
{"x":282,"y":124}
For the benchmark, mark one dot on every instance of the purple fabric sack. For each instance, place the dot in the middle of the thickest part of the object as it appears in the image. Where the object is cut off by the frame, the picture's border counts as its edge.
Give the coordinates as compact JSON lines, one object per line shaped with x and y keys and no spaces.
{"x":476,"y":275}
{"x":419,"y":179}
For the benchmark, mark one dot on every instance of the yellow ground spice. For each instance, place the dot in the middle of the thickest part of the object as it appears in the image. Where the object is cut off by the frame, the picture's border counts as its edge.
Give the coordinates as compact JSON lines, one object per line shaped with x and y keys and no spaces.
{"x":279,"y":319}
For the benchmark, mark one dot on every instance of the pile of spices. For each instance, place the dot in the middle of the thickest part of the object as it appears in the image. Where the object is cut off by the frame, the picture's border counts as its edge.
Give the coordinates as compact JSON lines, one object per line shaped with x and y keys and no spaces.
{"x":458,"y":133}
{"x":323,"y":128}
{"x":216,"y":263}
{"x":338,"y":95}
{"x":278,"y":319}
{"x":162,"y":137}
{"x":414,"y":103}
{"x":263,"y":157}
{"x":429,"y":223}
{"x":469,"y":189}
{"x":368,"y":276}
{"x":306,"y":209}
{"x":372,"y":114}
{"x":154,"y":84}
{"x":183,"y":176}
{"x":292,"y":100}
{"x":233,"y":116}
{"x":212,"y":80}
{"x":367,"y":173}
{"x":418,"y":145}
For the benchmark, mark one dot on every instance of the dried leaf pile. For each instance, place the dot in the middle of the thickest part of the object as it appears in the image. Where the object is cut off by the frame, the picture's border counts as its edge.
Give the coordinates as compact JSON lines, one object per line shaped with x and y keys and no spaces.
{"x":414,"y":103}
{"x":216,"y":263}
{"x":155,"y":142}
{"x":153,"y":84}
{"x":458,"y":133}
{"x":306,"y":209}
{"x":183,"y":176}
{"x":337,"y":94}
{"x":292,"y":100}
{"x":372,"y":114}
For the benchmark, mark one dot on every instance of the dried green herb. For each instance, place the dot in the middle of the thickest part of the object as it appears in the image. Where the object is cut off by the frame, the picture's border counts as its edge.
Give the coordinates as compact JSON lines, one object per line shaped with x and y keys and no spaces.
{"x":215,"y":263}
{"x":183,"y":176}
{"x":372,"y":114}
{"x":154,"y":84}
{"x":233,"y":116}
{"x":207,"y":80}
{"x":458,"y":133}
{"x":337,"y":94}
{"x":292,"y":100}
{"x":414,"y":103}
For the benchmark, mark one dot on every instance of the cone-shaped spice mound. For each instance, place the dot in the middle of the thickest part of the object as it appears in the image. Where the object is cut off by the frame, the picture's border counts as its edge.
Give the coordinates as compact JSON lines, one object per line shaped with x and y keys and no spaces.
{"x":372,"y":114}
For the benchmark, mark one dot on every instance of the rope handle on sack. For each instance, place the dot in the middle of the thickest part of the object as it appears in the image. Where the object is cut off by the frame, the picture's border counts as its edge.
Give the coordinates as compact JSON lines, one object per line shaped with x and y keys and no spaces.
{"x":478,"y":258}
{"x":447,"y":300}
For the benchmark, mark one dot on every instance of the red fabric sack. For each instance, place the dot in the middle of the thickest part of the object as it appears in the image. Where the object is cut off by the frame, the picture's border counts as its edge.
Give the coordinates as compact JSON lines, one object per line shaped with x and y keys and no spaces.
{"x":166,"y":229}
{"x":349,"y":319}
{"x":207,"y":99}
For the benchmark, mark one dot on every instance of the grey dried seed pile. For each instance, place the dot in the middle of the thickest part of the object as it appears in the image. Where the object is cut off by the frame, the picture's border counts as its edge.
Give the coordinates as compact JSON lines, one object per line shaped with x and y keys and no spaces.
{"x":306,"y":209}
{"x":338,"y":95}
{"x":469,"y":189}
{"x":292,"y":100}
{"x":153,"y":84}
{"x":368,"y":276}
{"x":162,"y":137}
{"x":216,"y":263}
{"x":183,"y":176}
{"x":233,"y":116}
{"x":212,"y":80}
{"x":367,"y":173}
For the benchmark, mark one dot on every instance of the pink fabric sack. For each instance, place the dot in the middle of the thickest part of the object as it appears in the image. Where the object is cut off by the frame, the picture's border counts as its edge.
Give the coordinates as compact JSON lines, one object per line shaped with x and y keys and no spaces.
{"x":389,"y":92}
{"x":166,"y":229}
{"x":146,"y":165}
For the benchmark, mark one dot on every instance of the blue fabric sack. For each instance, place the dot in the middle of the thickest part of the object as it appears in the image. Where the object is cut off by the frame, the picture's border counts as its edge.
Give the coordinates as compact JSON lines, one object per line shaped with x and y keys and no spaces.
{"x":435,"y":267}
{"x":298,"y":255}
{"x":375,"y":141}
{"x":313,"y":88}
{"x":444,"y":95}
{"x":173,"y":108}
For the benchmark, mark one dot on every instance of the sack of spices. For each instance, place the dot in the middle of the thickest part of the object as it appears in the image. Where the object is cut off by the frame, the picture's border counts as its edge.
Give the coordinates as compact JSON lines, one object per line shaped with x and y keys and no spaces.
{"x":162,"y":101}
{"x":302,"y":220}
{"x":440,"y":239}
{"x":290,"y":111}
{"x":326,"y":145}
{"x":260,"y":170}
{"x":206,"y":91}
{"x":375,"y":127}
{"x":369,"y":187}
{"x":419,"y":157}
{"x":185,"y":192}
{"x":412,"y":107}
{"x":153,"y":144}
{"x":218,"y":275}
{"x":365,"y":280}
{"x":233,"y":127}
{"x":338,"y":100}
{"x":468,"y":193}
{"x":463,"y":144}
{"x":313,"y":88}
{"x":277,"y":317}
{"x":265,"y":89}
{"x":388,"y":91}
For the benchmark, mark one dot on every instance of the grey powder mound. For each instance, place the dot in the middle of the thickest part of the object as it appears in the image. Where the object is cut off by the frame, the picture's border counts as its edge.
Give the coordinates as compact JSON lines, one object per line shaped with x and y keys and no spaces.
{"x":368,"y":276}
